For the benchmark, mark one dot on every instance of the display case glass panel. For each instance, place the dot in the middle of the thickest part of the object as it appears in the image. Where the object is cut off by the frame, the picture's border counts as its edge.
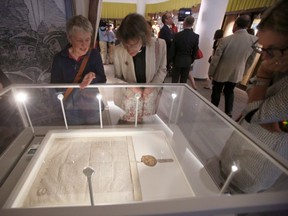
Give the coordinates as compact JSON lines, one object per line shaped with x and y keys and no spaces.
{"x":166,"y":149}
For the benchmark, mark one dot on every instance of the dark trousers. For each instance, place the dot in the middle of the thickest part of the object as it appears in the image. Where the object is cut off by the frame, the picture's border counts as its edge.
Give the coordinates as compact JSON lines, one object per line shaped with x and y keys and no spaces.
{"x":181,"y":73}
{"x":228,"y":94}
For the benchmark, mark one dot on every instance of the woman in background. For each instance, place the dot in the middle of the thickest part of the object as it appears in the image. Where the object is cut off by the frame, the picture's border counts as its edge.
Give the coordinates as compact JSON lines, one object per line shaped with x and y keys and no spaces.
{"x":217,"y":36}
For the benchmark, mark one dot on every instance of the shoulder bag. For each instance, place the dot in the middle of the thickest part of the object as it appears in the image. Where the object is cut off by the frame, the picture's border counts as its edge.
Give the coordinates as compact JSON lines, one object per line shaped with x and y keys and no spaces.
{"x":199,"y":54}
{"x":81,"y":105}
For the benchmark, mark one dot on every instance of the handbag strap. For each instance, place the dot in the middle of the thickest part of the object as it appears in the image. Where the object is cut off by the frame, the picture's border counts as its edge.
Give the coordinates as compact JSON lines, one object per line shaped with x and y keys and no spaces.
{"x":79,"y":74}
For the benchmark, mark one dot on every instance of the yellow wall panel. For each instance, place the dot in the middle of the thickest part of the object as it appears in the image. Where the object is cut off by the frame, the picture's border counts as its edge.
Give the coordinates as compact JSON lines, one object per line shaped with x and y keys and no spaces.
{"x":117,"y":10}
{"x":171,"y":5}
{"x":238,"y":5}
{"x":120,"y":10}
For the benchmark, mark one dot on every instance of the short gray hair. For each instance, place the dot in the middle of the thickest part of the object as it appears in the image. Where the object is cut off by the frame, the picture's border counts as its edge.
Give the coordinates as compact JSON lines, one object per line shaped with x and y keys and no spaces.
{"x":78,"y":22}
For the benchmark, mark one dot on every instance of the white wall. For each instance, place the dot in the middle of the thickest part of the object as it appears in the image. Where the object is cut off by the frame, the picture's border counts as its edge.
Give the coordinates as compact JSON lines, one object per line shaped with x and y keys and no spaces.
{"x":81,"y":7}
{"x":210,"y":19}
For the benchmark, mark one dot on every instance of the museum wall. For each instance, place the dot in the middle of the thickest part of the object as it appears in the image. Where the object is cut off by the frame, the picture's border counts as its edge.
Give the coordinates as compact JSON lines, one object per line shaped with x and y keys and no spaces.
{"x":120,"y":10}
{"x":31,"y":32}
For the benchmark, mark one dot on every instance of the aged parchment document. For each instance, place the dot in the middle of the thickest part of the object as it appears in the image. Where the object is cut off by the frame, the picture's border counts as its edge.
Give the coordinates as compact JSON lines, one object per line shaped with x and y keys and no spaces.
{"x":60,"y":180}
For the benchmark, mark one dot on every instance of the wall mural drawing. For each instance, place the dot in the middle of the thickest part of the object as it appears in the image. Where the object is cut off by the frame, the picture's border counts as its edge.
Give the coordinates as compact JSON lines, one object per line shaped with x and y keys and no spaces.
{"x":31,"y":32}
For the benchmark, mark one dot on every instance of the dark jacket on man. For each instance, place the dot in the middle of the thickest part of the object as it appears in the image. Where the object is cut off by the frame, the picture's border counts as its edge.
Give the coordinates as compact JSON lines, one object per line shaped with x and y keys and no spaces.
{"x":166,"y":34}
{"x":184,"y":48}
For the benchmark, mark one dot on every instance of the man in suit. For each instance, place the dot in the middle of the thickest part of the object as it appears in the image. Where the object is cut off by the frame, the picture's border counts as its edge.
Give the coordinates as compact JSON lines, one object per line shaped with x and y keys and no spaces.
{"x":167,"y":34}
{"x":183,"y":51}
{"x":232,"y":58}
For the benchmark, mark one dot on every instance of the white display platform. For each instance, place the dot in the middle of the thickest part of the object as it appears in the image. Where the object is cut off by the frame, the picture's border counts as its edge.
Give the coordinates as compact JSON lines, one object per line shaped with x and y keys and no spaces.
{"x":71,"y":147}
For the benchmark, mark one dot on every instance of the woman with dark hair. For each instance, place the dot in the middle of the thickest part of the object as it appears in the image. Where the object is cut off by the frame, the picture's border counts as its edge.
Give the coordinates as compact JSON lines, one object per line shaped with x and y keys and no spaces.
{"x":217,"y":36}
{"x":139,"y":58}
{"x":266,"y":113}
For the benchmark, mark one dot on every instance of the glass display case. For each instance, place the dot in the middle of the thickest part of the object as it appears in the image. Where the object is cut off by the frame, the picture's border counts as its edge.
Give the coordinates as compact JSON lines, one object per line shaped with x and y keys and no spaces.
{"x":108,"y":150}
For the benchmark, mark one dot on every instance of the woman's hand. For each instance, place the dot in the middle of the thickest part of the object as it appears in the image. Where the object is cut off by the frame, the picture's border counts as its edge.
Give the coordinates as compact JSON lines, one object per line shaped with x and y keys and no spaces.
{"x":281,"y":63}
{"x":87,"y":80}
{"x":273,"y":65}
{"x":265,"y":73}
{"x":147,"y":91}
{"x":136,"y":90}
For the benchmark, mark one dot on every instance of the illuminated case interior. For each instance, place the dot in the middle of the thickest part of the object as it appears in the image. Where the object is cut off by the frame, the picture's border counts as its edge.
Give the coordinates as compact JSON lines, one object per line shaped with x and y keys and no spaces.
{"x":42,"y":168}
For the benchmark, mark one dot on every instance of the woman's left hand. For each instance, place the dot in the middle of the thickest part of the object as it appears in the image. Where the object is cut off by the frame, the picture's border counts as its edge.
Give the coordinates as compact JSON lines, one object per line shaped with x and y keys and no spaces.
{"x":87,"y":80}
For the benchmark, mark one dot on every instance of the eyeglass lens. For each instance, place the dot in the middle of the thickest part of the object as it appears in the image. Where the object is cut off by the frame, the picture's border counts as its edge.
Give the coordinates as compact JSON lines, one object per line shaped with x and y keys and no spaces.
{"x":270,"y":51}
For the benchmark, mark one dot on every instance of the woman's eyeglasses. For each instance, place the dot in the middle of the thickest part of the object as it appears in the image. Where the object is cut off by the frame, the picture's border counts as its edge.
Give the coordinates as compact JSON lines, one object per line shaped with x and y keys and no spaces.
{"x":273,"y":52}
{"x":133,"y":46}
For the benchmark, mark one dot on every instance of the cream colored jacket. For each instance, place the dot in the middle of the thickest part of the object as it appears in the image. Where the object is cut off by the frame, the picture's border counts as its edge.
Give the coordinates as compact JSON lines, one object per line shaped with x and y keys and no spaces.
{"x":155,"y":63}
{"x":233,"y":57}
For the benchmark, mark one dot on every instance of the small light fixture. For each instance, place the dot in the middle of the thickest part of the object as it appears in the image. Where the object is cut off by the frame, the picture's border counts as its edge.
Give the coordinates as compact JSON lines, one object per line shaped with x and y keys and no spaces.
{"x":22,"y":97}
{"x":173,"y":95}
{"x":60,"y":98}
{"x":99,"y":97}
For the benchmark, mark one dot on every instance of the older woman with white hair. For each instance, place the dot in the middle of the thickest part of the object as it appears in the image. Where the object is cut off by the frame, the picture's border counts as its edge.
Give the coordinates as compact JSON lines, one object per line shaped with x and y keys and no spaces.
{"x":78,"y":63}
{"x":67,"y":62}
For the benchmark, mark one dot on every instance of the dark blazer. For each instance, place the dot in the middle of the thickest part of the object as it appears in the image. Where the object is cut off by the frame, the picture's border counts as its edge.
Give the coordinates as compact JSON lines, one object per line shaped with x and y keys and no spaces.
{"x":166,"y":34}
{"x":184,"y":48}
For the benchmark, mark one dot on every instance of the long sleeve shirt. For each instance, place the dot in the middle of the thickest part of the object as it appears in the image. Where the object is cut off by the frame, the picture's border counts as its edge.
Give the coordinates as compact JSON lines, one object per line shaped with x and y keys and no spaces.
{"x":65,"y":68}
